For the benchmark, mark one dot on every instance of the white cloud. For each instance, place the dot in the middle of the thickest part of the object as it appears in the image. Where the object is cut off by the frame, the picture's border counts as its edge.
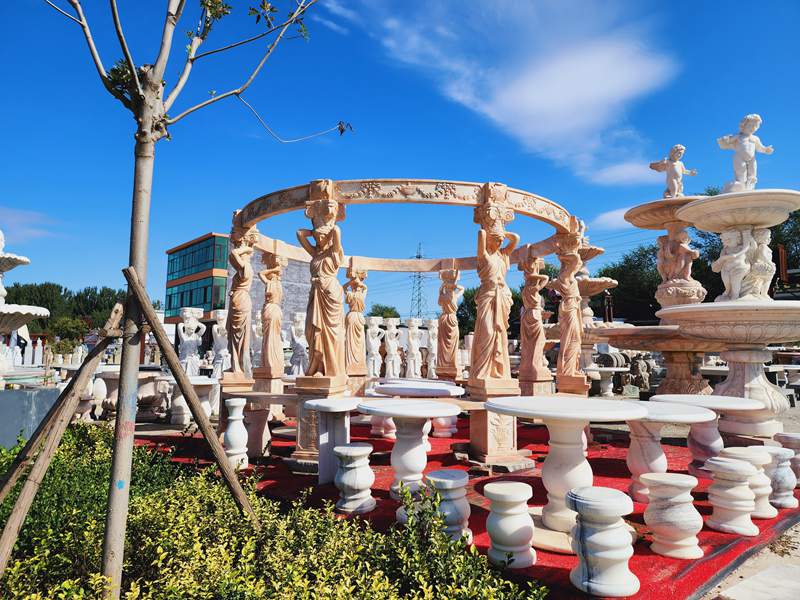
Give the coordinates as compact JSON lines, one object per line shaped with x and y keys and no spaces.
{"x":338,"y":9}
{"x":23,"y":225}
{"x":611,"y":219}
{"x":330,"y":25}
{"x":558,"y":76}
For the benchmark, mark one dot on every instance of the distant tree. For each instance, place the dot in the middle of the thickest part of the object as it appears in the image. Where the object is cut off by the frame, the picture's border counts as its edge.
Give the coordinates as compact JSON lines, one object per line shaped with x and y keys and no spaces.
{"x":52,"y":296}
{"x":638,"y":278}
{"x":383,"y":310}
{"x":68,"y":328}
{"x":466,"y":312}
{"x":95,"y":304}
{"x":158,"y":305}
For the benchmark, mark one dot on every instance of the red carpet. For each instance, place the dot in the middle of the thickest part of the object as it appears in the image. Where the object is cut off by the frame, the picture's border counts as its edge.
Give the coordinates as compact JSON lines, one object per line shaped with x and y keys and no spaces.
{"x":660,"y":577}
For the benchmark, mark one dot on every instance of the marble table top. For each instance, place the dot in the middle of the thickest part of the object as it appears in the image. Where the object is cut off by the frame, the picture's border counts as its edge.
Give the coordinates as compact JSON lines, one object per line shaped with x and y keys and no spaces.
{"x":608,"y":369}
{"x":566,"y":408}
{"x":334,"y":405}
{"x":418,"y":391}
{"x":716,"y":403}
{"x":422,"y":409}
{"x":675,"y":412}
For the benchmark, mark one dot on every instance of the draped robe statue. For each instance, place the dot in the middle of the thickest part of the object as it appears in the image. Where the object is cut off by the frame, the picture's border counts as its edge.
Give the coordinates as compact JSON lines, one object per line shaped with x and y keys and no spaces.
{"x":355,"y":354}
{"x":324,"y":322}
{"x":447,"y":366}
{"x":240,"y":304}
{"x":272,"y":361}
{"x":532,"y":367}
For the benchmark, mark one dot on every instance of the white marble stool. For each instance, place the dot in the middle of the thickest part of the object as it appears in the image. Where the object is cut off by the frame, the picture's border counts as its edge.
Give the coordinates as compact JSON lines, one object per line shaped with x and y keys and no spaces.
{"x":413,"y":425}
{"x":781,"y":476}
{"x":333,"y":429}
{"x":606,"y":384}
{"x":565,"y":467}
{"x":704,"y":440}
{"x":354,"y":478}
{"x":760,"y":483}
{"x":509,"y":525}
{"x":671,"y":515}
{"x":602,"y":542}
{"x":645,"y":454}
{"x":792,"y":441}
{"x":730,"y":495}
{"x":454,"y":507}
{"x":235,"y":438}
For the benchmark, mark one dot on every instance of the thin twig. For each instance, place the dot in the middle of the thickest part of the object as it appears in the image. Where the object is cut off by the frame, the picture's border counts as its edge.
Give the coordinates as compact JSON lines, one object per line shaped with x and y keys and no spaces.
{"x":125,"y":50}
{"x":340,"y":127}
{"x":250,"y":39}
{"x":63,"y":12}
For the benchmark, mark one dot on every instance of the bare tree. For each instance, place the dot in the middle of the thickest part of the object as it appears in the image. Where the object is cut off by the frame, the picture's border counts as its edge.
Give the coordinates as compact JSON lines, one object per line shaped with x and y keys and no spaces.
{"x":141,"y":89}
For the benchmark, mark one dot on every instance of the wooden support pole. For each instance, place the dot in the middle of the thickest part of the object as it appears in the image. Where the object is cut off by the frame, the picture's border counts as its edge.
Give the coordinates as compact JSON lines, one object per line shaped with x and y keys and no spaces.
{"x":203,"y":423}
{"x":61,"y":417}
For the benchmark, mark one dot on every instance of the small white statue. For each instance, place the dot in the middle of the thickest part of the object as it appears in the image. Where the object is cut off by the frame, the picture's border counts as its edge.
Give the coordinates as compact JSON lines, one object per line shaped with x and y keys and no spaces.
{"x":745,"y":145}
{"x":433,"y":346}
{"x":190,"y":334}
{"x":373,"y":341}
{"x":257,"y":340}
{"x":732,"y":264}
{"x":674,"y":168}
{"x":757,"y":281}
{"x":392,"y":342}
{"x":219,"y":331}
{"x":413,"y":352}
{"x":297,"y":337}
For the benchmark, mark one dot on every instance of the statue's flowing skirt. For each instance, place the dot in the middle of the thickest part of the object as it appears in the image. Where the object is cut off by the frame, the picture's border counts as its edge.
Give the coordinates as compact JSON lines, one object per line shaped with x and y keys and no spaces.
{"x":272,"y":342}
{"x":532,"y":340}
{"x":570,"y":329}
{"x":324,"y":328}
{"x":448,"y":342}
{"x":239,"y":318}
{"x":490,"y":347}
{"x":355,"y":352}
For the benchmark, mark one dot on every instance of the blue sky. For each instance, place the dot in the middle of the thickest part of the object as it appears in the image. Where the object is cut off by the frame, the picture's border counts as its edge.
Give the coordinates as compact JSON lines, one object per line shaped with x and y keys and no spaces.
{"x":569,"y":100}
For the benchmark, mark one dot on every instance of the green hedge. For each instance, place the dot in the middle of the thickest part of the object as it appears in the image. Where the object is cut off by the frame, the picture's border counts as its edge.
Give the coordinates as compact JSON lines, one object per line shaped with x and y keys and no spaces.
{"x":186,"y":539}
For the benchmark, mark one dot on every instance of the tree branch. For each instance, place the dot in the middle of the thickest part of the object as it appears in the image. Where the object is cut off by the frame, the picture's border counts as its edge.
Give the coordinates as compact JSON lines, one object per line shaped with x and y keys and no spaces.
{"x":250,"y":39}
{"x":125,"y":50}
{"x":203,"y":29}
{"x":301,"y":8}
{"x":63,"y":12}
{"x":174,"y":12}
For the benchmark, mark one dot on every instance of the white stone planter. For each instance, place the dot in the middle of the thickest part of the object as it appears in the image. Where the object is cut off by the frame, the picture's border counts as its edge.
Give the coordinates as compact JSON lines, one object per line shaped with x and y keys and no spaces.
{"x":509,"y":525}
{"x":792,"y":441}
{"x":671,"y":515}
{"x":760,"y":483}
{"x":354,"y":478}
{"x":602,"y":542}
{"x":730,"y":496}
{"x":454,"y":507}
{"x":235,"y":438}
{"x":781,"y":476}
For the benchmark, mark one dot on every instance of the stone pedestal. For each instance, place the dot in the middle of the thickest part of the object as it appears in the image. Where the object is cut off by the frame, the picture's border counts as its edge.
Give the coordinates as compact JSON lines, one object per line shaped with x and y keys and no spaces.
{"x":270,"y":385}
{"x":760,"y":484}
{"x":536,"y":388}
{"x":781,"y":476}
{"x":509,"y":525}
{"x":730,"y":496}
{"x":791,"y":441}
{"x":493,"y":437}
{"x":333,"y":428}
{"x":233,"y":383}
{"x":354,"y":478}
{"x":305,"y":457}
{"x":645,"y":455}
{"x":235,"y":439}
{"x":454,"y":507}
{"x":572,"y":384}
{"x":671,"y":515}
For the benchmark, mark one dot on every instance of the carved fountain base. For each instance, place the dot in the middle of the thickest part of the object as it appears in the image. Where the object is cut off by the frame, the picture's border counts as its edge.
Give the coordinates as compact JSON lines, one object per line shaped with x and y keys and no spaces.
{"x":683,"y":374}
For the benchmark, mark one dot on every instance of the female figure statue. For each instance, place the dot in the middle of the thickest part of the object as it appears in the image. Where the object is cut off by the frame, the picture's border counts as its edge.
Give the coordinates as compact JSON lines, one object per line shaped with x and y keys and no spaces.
{"x":374,"y":338}
{"x":324,"y":330}
{"x":433,"y":346}
{"x":570,"y":319}
{"x":190,"y":334}
{"x":531,"y":328}
{"x":489,"y":358}
{"x":447,"y":354}
{"x":391,"y":340}
{"x":733,"y":263}
{"x":413,"y":353}
{"x":297,"y":338}
{"x":355,"y":296}
{"x":240,"y":304}
{"x":272,"y":315}
{"x":222,"y":358}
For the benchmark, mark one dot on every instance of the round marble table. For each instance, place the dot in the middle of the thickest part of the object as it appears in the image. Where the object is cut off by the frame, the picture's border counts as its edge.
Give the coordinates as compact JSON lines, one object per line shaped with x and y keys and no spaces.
{"x":645,"y":454}
{"x":704,"y":440}
{"x":413,"y":425}
{"x":565,"y":467}
{"x":607,"y":378}
{"x":179,"y":409}
{"x":419,"y":389}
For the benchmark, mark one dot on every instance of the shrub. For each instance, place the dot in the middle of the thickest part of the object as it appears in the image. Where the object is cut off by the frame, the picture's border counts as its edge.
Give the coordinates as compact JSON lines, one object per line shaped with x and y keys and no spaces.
{"x":186,"y":539}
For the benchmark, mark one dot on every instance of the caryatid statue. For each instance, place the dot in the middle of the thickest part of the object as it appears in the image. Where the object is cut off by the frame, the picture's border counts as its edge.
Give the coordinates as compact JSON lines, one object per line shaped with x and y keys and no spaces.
{"x":745,"y":145}
{"x":489,"y":362}
{"x":391,"y":340}
{"x":355,"y":296}
{"x":240,"y":305}
{"x":447,"y":366}
{"x":569,"y":377}
{"x":532,"y":366}
{"x":324,"y":322}
{"x":674,"y":168}
{"x":222,"y":357}
{"x":413,"y":349}
{"x":190,"y":334}
{"x":433,"y":346}
{"x":373,"y":339}
{"x":272,"y":361}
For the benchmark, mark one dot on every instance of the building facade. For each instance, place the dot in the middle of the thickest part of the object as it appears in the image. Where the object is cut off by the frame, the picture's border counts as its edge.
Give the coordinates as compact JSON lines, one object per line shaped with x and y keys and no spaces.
{"x":197,"y":275}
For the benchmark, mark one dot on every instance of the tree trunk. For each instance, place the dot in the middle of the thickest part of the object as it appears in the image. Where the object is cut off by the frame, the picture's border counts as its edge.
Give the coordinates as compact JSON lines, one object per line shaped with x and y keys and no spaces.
{"x":119,"y":486}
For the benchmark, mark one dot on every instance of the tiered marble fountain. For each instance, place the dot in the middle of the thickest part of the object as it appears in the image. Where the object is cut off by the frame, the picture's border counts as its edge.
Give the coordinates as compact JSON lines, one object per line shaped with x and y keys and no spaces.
{"x":682,"y":354}
{"x":13,"y":316}
{"x":744,"y":319}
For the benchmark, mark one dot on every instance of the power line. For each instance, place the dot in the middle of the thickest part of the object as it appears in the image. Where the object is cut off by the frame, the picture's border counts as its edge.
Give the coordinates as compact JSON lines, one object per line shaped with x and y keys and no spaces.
{"x":419,"y":304}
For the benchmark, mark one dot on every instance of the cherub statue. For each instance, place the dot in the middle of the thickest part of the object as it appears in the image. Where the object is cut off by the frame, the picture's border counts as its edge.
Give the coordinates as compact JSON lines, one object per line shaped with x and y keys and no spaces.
{"x":680,"y":256}
{"x":674,"y":168}
{"x":756,"y":283}
{"x":732,"y":264}
{"x":745,"y":145}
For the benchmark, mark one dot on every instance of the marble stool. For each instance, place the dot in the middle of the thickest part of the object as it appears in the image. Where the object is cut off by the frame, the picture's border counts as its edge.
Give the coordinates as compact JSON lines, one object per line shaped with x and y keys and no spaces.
{"x":454,"y":507}
{"x":781,"y":476}
{"x":671,"y":515}
{"x":444,"y":427}
{"x":760,"y":483}
{"x":333,"y":429}
{"x":509,"y":525}
{"x":235,"y":438}
{"x":602,"y":542}
{"x":354,"y":478}
{"x":730,"y":496}
{"x":792,"y":441}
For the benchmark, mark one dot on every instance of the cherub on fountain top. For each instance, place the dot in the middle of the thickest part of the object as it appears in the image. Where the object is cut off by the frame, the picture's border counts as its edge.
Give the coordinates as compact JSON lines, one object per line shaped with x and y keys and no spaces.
{"x":674,"y":168}
{"x":745,"y":145}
